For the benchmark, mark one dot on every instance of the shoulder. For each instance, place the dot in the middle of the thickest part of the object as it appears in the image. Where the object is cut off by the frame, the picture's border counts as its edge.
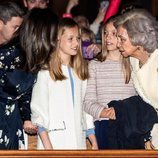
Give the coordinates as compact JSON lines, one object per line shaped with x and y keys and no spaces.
{"x":43,"y":74}
{"x":94,"y":63}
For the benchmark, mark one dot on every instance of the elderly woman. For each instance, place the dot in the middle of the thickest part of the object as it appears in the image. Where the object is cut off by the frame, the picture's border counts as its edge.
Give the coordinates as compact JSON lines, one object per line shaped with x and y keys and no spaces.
{"x":138,"y":39}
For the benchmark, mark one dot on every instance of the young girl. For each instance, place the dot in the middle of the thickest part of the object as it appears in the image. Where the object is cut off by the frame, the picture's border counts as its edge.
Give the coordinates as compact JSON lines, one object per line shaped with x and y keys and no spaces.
{"x":89,"y":46}
{"x":88,"y":38}
{"x":109,"y":80}
{"x":58,"y":94}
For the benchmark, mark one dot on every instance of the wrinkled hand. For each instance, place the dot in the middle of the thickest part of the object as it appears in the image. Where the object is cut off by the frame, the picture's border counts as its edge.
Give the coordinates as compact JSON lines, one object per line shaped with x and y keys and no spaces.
{"x":108,"y":113}
{"x":95,"y":48}
{"x":70,"y":5}
{"x":29,"y":127}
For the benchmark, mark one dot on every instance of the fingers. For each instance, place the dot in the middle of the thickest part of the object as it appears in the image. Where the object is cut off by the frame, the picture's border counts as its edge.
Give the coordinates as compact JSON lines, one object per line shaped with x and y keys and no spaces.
{"x":31,"y":130}
{"x":112,"y":114}
{"x":93,"y":48}
{"x":108,"y":113}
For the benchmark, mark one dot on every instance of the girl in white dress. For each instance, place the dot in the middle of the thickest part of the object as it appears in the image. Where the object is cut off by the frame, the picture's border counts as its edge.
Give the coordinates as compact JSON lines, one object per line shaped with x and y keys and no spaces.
{"x":58,"y":94}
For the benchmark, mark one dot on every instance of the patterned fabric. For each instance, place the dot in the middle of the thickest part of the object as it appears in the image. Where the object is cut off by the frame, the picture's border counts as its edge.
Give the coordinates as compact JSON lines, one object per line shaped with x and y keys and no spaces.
{"x":15,"y":93}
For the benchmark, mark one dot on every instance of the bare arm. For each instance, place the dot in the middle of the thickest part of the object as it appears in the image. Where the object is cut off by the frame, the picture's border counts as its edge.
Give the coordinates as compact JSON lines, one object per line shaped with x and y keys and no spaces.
{"x":70,"y":5}
{"x":93,"y":141}
{"x":45,"y":140}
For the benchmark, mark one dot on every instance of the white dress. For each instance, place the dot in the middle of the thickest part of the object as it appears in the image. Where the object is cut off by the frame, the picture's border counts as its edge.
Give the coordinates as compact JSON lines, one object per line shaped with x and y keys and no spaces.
{"x":53,"y":108}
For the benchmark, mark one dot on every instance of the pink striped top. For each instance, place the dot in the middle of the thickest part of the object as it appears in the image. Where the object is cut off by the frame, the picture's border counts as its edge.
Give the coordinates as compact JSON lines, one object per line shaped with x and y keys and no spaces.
{"x":106,"y":83}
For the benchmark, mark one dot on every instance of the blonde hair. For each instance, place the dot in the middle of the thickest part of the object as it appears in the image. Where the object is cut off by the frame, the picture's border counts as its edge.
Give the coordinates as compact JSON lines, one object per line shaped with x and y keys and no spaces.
{"x":79,"y":65}
{"x":126,"y":68}
{"x":88,"y":33}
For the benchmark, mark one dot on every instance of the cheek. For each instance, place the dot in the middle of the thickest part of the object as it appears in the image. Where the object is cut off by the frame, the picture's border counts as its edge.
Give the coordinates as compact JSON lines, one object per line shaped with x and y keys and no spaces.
{"x":115,"y":41}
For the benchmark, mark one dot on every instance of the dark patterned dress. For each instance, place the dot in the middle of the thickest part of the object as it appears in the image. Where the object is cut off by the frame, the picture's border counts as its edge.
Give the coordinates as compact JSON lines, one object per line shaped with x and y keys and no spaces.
{"x":15,"y":94}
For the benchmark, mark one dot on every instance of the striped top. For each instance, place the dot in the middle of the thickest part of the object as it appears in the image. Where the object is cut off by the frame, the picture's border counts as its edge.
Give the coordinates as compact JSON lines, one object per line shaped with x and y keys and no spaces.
{"x":106,"y":83}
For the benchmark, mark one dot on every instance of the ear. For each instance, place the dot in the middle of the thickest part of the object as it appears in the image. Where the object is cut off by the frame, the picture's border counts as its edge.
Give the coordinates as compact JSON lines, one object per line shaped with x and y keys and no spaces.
{"x":139,"y":47}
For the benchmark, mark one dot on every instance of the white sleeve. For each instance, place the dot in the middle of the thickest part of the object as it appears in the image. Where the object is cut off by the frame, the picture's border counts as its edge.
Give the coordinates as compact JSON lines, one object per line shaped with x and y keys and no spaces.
{"x":40,"y":100}
{"x":88,"y":117}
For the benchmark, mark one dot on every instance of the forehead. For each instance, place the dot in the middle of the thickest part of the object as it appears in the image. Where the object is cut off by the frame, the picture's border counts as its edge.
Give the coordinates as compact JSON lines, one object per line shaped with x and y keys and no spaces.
{"x":110,"y":26}
{"x":121,"y":31}
{"x":15,"y":21}
{"x":71,"y":31}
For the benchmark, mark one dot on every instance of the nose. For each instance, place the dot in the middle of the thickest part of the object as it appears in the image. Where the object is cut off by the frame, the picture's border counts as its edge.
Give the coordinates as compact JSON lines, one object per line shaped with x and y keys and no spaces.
{"x":108,"y":36}
{"x":76,"y":42}
{"x":37,"y":5}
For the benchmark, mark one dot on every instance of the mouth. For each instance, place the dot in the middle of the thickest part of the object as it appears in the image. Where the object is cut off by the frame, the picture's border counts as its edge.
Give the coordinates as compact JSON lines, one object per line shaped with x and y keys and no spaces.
{"x":109,"y":43}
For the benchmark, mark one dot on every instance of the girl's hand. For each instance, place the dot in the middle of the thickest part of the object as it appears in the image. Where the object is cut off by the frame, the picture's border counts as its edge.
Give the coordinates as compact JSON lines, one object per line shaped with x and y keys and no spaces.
{"x":148,"y":145}
{"x":29,"y":127}
{"x":94,"y":146}
{"x":108,"y":113}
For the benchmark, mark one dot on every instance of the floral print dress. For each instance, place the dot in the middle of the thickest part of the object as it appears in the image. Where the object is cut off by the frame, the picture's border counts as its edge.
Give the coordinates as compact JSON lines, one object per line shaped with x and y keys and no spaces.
{"x":15,"y":94}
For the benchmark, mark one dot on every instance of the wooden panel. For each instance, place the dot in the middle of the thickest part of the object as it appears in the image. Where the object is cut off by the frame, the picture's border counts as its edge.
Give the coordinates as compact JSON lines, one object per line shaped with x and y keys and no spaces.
{"x":79,"y":154}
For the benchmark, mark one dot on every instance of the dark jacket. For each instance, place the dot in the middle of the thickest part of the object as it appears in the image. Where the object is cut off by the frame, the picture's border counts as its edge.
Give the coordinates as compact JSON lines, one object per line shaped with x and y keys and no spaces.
{"x":134,"y":121}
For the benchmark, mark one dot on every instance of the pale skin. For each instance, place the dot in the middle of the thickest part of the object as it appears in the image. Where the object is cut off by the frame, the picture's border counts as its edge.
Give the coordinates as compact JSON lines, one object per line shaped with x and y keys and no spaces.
{"x":8,"y":29}
{"x":68,"y":44}
{"x":128,"y":49}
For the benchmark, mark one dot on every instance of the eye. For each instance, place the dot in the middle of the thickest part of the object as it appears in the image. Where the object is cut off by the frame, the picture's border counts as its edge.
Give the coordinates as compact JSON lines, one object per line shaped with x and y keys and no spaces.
{"x":43,"y":2}
{"x":70,"y":39}
{"x":78,"y":38}
{"x":122,"y":40}
{"x":105,"y":33}
{"x":16,"y":27}
{"x":114,"y":33}
{"x":32,"y":1}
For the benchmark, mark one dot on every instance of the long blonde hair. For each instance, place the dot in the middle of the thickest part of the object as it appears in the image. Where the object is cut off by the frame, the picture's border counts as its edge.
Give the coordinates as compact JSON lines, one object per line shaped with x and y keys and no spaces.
{"x":79,"y":65}
{"x":103,"y":55}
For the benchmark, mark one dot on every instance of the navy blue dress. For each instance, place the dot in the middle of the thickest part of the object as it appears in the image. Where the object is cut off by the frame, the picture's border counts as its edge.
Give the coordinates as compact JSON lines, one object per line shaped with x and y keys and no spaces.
{"x":15,"y":94}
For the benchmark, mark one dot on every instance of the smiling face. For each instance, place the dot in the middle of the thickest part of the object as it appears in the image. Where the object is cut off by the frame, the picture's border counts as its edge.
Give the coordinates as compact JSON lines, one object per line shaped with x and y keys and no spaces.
{"x":8,"y":29}
{"x":124,"y":43}
{"x":110,"y":37}
{"x":68,"y":42}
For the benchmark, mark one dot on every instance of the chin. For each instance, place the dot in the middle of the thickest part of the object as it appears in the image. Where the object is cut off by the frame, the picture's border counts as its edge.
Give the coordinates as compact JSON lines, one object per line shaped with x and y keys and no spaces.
{"x":124,"y":54}
{"x":73,"y":54}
